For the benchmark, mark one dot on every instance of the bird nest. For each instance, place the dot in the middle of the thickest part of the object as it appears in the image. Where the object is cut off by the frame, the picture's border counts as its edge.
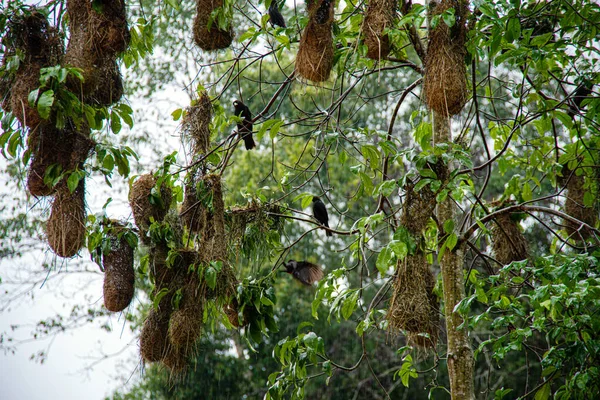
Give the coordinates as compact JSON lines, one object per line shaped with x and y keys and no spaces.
{"x":143,"y":209}
{"x":417,"y":209}
{"x":413,"y":306}
{"x":119,"y":275}
{"x":574,"y":206}
{"x":508,"y":242}
{"x":254,"y":218}
{"x":380,"y":16}
{"x":445,"y":81}
{"x":213,"y":38}
{"x":66,"y":226}
{"x":315,"y":53}
{"x":196,"y":124}
{"x":154,"y":336}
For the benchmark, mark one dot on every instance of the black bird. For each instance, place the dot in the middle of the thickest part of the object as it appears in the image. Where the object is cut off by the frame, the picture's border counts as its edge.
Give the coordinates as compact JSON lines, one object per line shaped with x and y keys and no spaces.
{"x":305,"y":272}
{"x":320,"y":213}
{"x":275,"y":15}
{"x":245,"y":126}
{"x":581,"y":93}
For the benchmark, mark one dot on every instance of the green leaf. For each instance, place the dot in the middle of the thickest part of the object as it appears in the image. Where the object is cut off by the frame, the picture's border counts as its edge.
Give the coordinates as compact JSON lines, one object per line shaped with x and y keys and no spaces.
{"x":350,"y":305}
{"x":543,"y":393}
{"x":384,"y":260}
{"x":210,"y":275}
{"x":275,"y":129}
{"x":44,"y":104}
{"x":73,"y":181}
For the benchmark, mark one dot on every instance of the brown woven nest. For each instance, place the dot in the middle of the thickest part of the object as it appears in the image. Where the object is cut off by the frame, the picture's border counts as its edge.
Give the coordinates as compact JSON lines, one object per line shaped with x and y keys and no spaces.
{"x":508,"y":242}
{"x":154,"y":336}
{"x":139,"y":200}
{"x":119,"y":275}
{"x":41,"y":46}
{"x":445,"y":81}
{"x":574,"y":207}
{"x":256,"y":216}
{"x":213,"y":38}
{"x":66,"y":226}
{"x":315,"y":53}
{"x":185,"y":325}
{"x":68,"y":148}
{"x":380,"y":16}
{"x":99,"y":33}
{"x":176,"y":359}
{"x":418,"y":208}
{"x":193,"y":212}
{"x":213,"y":241}
{"x":414,"y":307}
{"x":196,"y":124}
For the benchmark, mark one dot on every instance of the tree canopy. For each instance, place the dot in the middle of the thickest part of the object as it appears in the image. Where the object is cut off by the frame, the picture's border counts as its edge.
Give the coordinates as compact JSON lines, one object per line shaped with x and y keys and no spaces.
{"x":454,"y":145}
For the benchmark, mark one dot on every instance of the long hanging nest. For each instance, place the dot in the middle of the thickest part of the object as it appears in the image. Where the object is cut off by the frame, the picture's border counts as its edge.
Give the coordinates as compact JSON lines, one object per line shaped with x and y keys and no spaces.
{"x":154,"y":336}
{"x":574,"y":206}
{"x":185,"y":325}
{"x":66,"y":226}
{"x":119,"y":275}
{"x":41,"y":46}
{"x":67,"y":148}
{"x":213,"y":38}
{"x":445,"y":81}
{"x":141,"y":205}
{"x":417,"y":209}
{"x":315,"y":53}
{"x":380,"y":16}
{"x":508,"y":242}
{"x":193,"y":212}
{"x":196,"y":124}
{"x":414,"y":307}
{"x":99,"y":33}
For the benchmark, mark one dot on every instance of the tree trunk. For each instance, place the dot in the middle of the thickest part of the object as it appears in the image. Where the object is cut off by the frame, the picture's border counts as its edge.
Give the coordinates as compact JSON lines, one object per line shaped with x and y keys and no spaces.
{"x":460,"y":353}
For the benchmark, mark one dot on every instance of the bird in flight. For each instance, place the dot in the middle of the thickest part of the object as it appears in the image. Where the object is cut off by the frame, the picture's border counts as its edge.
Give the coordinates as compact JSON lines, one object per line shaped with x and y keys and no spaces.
{"x":245,"y":125}
{"x":320,"y":213}
{"x":303,"y":271}
{"x":275,"y":15}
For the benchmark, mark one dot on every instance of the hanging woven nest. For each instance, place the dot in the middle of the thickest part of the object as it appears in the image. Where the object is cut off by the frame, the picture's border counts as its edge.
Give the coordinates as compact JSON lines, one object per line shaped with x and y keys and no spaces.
{"x":414,"y":307}
{"x":445,"y":81}
{"x":154,"y":336}
{"x":196,"y":124}
{"x":380,"y":16}
{"x":508,"y":242}
{"x":417,"y":209}
{"x":574,"y":206}
{"x":66,"y":226}
{"x":213,"y":38}
{"x":119,"y":275}
{"x":315,"y":53}
{"x":141,"y":205}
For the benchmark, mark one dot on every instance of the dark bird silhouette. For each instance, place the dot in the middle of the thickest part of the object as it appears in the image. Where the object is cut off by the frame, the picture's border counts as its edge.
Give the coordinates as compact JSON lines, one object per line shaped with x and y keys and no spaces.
{"x":303,"y":271}
{"x":320,"y":213}
{"x":275,"y":15}
{"x":245,"y":126}
{"x":581,"y":93}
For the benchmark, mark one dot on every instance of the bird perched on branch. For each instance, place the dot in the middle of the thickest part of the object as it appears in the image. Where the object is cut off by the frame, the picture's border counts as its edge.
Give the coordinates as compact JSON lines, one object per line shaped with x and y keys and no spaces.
{"x":275,"y":15}
{"x":320,"y":213}
{"x":245,"y":126}
{"x":303,"y":271}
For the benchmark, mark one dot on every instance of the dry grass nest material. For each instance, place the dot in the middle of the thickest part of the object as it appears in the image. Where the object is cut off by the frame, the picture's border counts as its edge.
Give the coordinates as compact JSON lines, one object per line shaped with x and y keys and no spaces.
{"x":380,"y":15}
{"x":259,"y":215}
{"x":196,"y":124}
{"x":574,"y":207}
{"x":213,"y":38}
{"x":66,"y":226}
{"x":119,"y":275}
{"x":139,"y":200}
{"x":508,"y":241}
{"x":213,"y":242}
{"x":445,"y":82}
{"x":185,"y":325}
{"x":193,"y":212}
{"x":414,"y":307}
{"x":315,"y":53}
{"x":418,"y":208}
{"x":69,"y":148}
{"x":41,"y":46}
{"x":153,"y":338}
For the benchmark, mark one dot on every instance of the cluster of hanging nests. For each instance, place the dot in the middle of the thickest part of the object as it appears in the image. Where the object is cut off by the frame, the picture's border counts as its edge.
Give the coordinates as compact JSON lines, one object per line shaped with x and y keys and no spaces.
{"x":97,"y":34}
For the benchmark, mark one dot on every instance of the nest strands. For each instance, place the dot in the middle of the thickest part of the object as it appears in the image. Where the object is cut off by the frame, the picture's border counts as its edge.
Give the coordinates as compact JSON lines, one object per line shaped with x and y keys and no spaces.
{"x":380,"y":15}
{"x":574,"y":207}
{"x":414,"y":307}
{"x":418,"y":208}
{"x":508,"y":242}
{"x":139,"y":200}
{"x":196,"y":124}
{"x":119,"y":275}
{"x":445,"y":81}
{"x":314,"y":60}
{"x":66,"y":226}
{"x":213,"y":38}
